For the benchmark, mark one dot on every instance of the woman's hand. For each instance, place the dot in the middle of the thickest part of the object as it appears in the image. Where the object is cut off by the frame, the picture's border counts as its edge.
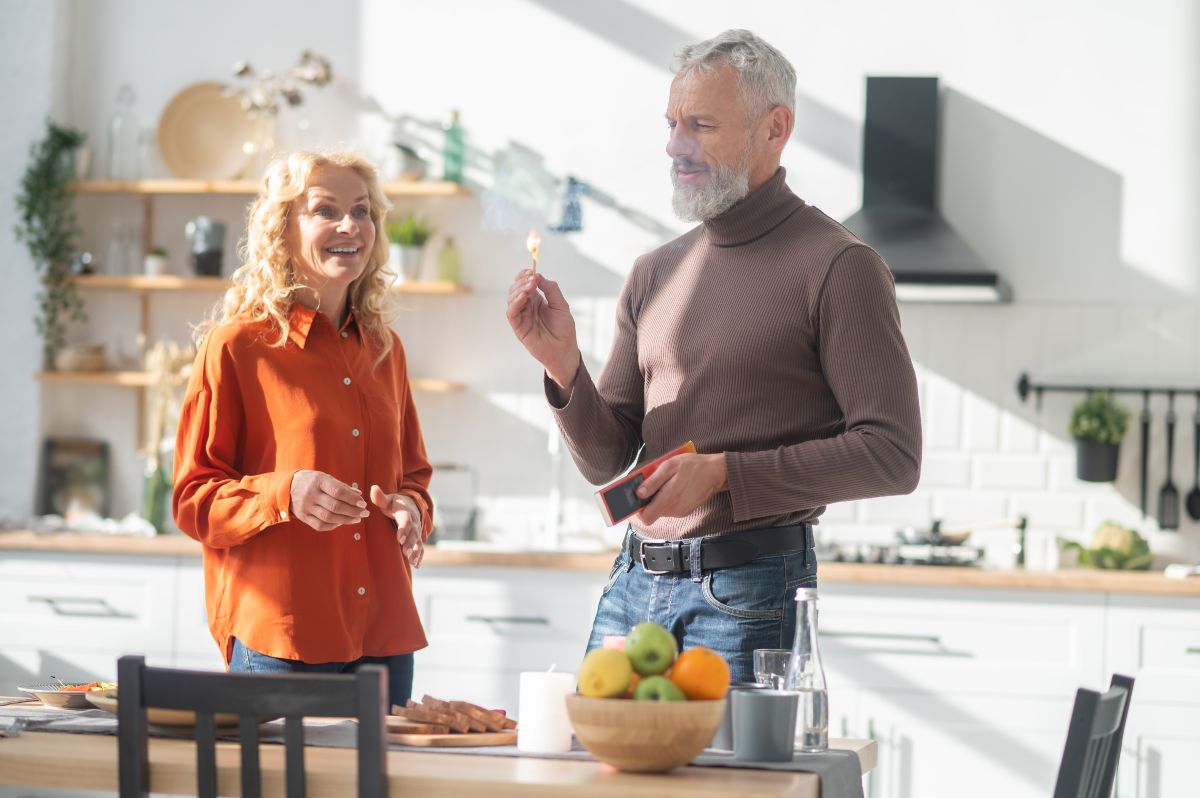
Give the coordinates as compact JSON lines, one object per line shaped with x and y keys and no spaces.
{"x":325,"y":503}
{"x":403,"y":510}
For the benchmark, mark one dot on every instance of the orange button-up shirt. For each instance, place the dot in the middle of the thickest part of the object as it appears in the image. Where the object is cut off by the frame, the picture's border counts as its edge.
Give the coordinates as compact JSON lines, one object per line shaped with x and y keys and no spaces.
{"x":254,"y":415}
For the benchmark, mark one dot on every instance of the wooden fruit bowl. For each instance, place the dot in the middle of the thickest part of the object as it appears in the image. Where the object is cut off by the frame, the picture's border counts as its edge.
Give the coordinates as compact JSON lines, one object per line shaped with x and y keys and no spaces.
{"x":644,"y":736}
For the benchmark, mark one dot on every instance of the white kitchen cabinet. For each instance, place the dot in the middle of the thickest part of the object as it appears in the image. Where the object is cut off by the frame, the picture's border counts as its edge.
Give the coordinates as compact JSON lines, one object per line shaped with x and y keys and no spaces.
{"x":486,"y":625}
{"x":964,"y":690}
{"x":1156,"y":640}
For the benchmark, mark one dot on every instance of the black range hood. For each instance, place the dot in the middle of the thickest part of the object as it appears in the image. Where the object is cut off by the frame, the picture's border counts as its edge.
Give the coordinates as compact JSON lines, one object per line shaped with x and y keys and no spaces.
{"x":899,"y":215}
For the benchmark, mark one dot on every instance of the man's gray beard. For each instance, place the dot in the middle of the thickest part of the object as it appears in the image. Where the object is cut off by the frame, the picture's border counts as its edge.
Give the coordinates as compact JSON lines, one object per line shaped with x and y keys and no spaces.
{"x":725,"y":187}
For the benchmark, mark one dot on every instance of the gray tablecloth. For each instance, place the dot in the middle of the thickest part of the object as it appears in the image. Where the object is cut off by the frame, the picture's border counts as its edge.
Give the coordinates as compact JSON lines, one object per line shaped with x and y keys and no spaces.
{"x":838,"y":771}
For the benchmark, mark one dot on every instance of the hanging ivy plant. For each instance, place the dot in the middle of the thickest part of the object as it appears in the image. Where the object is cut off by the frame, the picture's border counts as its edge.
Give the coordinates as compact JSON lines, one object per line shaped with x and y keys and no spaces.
{"x":47,"y":226}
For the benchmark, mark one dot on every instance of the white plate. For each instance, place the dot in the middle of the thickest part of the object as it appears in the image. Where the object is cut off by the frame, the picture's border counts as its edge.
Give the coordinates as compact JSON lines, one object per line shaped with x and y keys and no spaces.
{"x":201,"y":134}
{"x":52,"y":696}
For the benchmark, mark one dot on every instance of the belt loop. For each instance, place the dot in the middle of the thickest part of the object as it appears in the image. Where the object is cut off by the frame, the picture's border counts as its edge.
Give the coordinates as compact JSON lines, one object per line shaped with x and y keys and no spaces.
{"x":694,"y":559}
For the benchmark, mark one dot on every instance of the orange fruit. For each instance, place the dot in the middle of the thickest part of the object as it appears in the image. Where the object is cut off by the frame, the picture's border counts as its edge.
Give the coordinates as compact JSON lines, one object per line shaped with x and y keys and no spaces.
{"x":633,"y":683}
{"x":701,"y":674}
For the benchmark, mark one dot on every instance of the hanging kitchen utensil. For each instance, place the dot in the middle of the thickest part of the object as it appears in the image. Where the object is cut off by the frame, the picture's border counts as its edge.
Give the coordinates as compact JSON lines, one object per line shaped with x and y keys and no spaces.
{"x":1168,"y":497}
{"x":1145,"y":419}
{"x":1192,"y":502}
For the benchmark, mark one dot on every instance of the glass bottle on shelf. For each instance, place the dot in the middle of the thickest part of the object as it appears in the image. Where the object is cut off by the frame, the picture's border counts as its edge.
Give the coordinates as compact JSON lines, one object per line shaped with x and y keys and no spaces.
{"x":806,"y":677}
{"x":115,"y":251}
{"x":453,"y":150}
{"x":449,"y":262}
{"x":124,"y":138}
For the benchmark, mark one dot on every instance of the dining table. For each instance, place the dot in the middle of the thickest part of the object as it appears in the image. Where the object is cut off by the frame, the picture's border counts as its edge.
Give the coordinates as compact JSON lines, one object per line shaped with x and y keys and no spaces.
{"x":58,"y":760}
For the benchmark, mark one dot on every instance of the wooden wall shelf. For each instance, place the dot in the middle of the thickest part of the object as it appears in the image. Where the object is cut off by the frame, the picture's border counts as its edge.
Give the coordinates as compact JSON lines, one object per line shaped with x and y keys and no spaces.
{"x":249,"y":187}
{"x":171,"y":282}
{"x":141,"y":379}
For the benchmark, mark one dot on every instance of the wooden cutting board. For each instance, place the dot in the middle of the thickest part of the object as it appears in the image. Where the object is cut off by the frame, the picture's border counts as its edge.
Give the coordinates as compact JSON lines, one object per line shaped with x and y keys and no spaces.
{"x":470,"y":739}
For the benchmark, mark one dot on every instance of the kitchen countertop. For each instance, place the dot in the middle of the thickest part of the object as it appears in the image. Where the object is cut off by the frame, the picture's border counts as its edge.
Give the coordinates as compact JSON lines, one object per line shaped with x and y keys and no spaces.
{"x":1083,"y":580}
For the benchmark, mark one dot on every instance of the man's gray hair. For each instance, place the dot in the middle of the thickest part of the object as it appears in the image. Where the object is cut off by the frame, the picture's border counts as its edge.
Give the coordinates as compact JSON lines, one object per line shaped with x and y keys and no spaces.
{"x":767,"y":78}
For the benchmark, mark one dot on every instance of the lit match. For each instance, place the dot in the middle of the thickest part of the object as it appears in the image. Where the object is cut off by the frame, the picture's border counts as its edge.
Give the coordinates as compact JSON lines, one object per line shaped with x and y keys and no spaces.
{"x":532,"y":243}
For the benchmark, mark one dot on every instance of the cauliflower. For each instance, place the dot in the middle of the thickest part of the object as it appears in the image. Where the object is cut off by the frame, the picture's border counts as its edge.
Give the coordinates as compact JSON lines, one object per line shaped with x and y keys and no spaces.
{"x":1115,"y":547}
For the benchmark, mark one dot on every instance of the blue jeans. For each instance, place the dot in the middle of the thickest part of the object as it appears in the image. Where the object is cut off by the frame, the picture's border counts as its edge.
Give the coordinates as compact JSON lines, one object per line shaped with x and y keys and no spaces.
{"x":399,"y":668}
{"x":731,"y":610}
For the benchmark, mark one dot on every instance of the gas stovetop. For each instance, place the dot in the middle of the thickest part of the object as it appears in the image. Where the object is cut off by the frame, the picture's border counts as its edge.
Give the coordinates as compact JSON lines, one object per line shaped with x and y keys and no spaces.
{"x":902,"y":554}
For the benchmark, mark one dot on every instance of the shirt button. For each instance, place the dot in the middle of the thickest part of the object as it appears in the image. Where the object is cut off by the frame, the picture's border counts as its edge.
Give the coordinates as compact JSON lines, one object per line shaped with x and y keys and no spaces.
{"x":354,"y":432}
{"x":283,"y":516}
{"x":354,"y":485}
{"x":362,"y":591}
{"x":358,"y":536}
{"x":345,"y":334}
{"x":345,"y":380}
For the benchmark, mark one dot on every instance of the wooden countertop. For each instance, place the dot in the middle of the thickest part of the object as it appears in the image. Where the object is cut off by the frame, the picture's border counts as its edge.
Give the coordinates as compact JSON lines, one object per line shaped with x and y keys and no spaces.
{"x":1084,"y":580}
{"x":89,"y":761}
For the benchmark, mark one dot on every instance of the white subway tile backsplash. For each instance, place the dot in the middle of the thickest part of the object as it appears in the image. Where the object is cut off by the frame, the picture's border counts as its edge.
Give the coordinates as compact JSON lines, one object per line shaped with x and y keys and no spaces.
{"x":1050,"y":511}
{"x":911,"y":509}
{"x":981,"y":423}
{"x":941,"y":470}
{"x":967,"y":507}
{"x":1007,"y":472}
{"x":1017,"y":434}
{"x":942,"y":414}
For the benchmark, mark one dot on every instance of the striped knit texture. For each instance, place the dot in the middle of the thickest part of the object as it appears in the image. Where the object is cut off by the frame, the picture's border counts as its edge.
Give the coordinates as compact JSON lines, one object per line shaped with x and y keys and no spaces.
{"x":771,"y":334}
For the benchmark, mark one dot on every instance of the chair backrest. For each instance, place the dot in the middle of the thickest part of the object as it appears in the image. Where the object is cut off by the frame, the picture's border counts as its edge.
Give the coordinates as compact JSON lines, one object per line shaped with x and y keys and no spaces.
{"x":1089,"y":761}
{"x":250,"y":696}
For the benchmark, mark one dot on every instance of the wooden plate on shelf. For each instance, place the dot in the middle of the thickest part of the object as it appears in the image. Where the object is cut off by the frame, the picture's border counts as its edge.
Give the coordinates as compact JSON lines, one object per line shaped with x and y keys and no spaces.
{"x":201,"y":134}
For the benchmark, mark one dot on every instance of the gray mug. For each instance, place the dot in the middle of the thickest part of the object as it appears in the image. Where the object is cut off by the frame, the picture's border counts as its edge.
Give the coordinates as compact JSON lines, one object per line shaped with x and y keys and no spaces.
{"x":764,"y":724}
{"x":723,"y":739}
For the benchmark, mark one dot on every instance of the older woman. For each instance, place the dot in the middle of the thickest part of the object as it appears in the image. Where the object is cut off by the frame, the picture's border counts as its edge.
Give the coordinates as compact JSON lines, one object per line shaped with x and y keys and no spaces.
{"x":299,"y":462}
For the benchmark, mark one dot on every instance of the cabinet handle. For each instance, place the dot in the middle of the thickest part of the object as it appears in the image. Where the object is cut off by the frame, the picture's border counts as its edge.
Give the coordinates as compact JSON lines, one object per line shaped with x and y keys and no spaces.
{"x":81,"y":606}
{"x":1192,"y":650}
{"x":529,"y":620}
{"x":934,"y":639}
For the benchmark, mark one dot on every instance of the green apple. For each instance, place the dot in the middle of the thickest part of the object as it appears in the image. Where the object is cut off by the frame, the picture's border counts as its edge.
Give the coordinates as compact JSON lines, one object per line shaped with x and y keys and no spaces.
{"x":651,"y":648}
{"x":605,"y":673}
{"x":657,"y":688}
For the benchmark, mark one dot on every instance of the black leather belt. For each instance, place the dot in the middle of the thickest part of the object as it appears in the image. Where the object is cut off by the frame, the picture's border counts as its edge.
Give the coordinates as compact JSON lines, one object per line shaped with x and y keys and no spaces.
{"x":718,"y":551}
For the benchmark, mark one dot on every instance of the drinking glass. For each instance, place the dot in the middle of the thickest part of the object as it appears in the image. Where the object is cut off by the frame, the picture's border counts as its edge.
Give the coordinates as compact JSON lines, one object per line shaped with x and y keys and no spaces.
{"x":771,"y":666}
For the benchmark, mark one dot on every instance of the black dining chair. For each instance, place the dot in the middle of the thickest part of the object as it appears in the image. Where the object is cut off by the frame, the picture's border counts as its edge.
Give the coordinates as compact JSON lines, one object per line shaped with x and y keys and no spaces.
{"x":1089,"y":760}
{"x":250,"y":696}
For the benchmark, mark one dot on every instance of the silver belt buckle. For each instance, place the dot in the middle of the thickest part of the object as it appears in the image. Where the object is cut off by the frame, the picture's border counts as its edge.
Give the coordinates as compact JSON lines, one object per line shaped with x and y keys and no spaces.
{"x":642,"y":555}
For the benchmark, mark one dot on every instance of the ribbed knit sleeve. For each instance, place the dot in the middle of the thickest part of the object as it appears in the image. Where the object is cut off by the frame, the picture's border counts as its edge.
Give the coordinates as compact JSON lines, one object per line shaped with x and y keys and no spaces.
{"x":868,"y":370}
{"x":602,"y":425}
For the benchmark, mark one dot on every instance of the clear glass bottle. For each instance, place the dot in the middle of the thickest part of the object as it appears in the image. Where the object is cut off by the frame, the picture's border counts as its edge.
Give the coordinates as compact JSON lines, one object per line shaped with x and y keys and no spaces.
{"x":449,"y":262}
{"x":806,"y":677}
{"x":124,"y":138}
{"x":115,"y":258}
{"x":453,"y":150}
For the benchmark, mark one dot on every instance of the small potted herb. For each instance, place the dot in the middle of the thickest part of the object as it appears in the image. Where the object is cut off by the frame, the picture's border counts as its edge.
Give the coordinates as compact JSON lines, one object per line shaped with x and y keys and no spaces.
{"x":407,"y":236}
{"x":155,"y":262}
{"x":1098,"y":423}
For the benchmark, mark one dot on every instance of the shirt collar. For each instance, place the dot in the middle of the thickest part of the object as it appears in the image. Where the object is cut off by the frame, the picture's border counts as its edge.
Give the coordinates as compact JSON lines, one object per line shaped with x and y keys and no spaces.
{"x":757,"y":214}
{"x":301,"y":319}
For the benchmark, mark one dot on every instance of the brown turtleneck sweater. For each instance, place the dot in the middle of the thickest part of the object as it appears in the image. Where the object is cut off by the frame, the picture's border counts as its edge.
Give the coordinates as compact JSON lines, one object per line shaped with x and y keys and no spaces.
{"x":769,"y":333}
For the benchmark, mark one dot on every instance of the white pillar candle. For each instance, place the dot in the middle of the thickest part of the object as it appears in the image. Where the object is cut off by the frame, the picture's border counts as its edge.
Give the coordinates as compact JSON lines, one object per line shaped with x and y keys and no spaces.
{"x":542,"y":722}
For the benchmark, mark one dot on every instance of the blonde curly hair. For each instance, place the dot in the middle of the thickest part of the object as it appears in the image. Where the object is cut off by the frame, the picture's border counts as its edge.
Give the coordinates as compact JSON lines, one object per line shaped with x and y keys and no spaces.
{"x":265,"y":285}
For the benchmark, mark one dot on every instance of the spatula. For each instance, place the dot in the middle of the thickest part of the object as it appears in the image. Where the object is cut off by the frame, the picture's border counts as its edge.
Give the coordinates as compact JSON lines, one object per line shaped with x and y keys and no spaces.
{"x":1145,"y":453}
{"x":1192,"y":501}
{"x":1168,"y":496}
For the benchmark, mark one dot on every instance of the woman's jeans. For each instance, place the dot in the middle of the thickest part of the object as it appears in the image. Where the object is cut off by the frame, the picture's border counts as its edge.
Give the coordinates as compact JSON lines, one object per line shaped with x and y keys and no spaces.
{"x":399,"y":668}
{"x":730,"y":610}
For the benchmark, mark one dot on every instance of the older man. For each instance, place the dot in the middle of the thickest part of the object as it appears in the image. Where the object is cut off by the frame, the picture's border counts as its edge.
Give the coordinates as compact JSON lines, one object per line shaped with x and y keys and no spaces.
{"x":769,"y":335}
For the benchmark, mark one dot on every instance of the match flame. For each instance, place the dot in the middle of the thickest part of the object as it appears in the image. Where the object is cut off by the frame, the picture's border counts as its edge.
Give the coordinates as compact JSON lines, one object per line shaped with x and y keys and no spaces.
{"x":532,"y":243}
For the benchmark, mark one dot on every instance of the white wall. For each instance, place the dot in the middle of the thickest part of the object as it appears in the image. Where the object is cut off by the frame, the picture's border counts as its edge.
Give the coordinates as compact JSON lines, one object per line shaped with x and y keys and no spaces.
{"x":1068,"y":162}
{"x":31,"y":38}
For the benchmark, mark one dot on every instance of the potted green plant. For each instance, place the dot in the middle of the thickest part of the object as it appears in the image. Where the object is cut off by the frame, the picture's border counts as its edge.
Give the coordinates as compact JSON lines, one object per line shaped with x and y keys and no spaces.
{"x":155,"y":262}
{"x":407,"y":236}
{"x":1097,"y":424}
{"x":47,"y":226}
